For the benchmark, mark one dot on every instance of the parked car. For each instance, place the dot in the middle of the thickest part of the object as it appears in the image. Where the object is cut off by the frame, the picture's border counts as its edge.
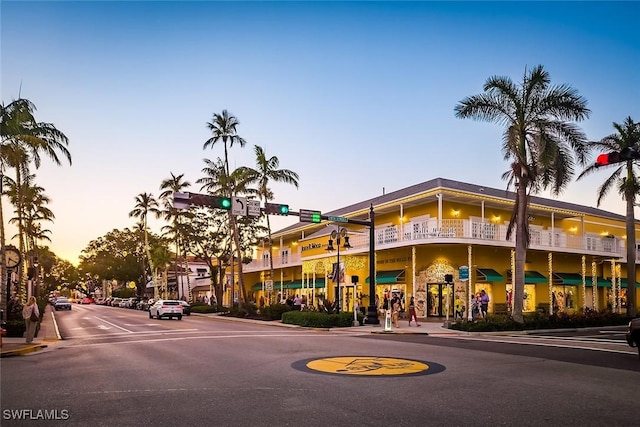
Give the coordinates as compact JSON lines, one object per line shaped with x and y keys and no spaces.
{"x":633,"y":334}
{"x":101,"y":301}
{"x":86,"y":300}
{"x":186,"y":308}
{"x":166,"y":308}
{"x":115,"y":302}
{"x":62,"y":303}
{"x":143,"y":304}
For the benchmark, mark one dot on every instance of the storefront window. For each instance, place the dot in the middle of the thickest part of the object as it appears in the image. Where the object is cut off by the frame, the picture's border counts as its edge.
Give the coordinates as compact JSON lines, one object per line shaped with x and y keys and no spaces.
{"x":528,"y":299}
{"x":487,"y":287}
{"x":564,"y":298}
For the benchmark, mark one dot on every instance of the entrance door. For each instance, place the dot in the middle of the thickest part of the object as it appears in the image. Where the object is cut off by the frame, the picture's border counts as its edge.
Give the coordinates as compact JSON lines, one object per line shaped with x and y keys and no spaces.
{"x":437,"y":295}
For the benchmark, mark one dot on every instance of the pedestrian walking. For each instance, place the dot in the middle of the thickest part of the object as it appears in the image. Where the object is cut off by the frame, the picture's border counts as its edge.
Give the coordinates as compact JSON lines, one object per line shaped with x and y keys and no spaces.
{"x":31,"y":315}
{"x":395,"y":312}
{"x":484,"y":302}
{"x":412,"y":312}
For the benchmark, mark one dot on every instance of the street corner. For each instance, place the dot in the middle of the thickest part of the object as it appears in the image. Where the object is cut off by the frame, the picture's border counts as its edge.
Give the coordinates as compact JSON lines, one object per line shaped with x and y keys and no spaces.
{"x":10,"y":350}
{"x":377,"y":366}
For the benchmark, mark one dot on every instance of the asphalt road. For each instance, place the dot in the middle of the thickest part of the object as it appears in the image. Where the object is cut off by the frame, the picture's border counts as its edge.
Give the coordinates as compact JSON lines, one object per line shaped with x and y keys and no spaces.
{"x":118,"y":367}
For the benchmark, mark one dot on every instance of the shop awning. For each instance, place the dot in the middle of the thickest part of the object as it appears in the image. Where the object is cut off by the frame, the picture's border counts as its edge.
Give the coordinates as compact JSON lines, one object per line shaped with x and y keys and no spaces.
{"x":488,"y":275}
{"x":295,"y":284}
{"x":393,"y":276}
{"x":568,"y":279}
{"x":606,"y":282}
{"x":532,"y":277}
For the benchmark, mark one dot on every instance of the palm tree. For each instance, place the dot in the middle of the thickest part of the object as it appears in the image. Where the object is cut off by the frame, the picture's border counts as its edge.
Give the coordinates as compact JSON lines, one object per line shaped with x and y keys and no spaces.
{"x":161,"y":258}
{"x":626,"y":179}
{"x":24,"y":139}
{"x":541,"y":141}
{"x":224,"y":130}
{"x":175,"y":184}
{"x":218,"y":182}
{"x":146,"y":204}
{"x":267,"y":171}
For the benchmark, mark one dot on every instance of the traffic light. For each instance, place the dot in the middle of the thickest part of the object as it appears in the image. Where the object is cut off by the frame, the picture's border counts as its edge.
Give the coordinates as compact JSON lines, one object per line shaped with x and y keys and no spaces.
{"x":276,"y":209}
{"x":628,"y":153}
{"x":221,"y":202}
{"x":209,"y":201}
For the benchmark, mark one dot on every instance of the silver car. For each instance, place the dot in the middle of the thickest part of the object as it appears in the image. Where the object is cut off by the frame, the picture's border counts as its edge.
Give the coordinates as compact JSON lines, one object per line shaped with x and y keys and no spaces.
{"x":62,"y":303}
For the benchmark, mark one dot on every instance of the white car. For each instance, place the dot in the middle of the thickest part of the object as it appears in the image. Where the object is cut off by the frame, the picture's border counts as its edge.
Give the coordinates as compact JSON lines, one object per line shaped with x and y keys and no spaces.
{"x":166,"y":308}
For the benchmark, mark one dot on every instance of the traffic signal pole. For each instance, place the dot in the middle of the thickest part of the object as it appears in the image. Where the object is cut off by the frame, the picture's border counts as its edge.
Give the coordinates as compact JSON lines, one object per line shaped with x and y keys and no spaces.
{"x":372,"y":311}
{"x":185,"y":200}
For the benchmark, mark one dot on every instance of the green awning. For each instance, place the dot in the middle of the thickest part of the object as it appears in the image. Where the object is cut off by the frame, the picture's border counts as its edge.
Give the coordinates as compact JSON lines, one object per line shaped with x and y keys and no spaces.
{"x":295,"y":284}
{"x":488,"y":275}
{"x":386,"y":277}
{"x":606,"y":283}
{"x":569,"y":279}
{"x":532,"y":277}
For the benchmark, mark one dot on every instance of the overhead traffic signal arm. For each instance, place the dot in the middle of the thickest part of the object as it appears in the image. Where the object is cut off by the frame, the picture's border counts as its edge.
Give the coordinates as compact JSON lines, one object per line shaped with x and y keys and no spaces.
{"x":276,"y":209}
{"x":628,"y":153}
{"x":184,"y":200}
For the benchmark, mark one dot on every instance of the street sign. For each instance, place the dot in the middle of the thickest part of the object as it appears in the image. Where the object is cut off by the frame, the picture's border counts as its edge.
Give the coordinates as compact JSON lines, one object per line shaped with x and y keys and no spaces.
{"x":239,"y":205}
{"x":268,"y":285}
{"x":253,"y":207}
{"x":337,"y":219}
{"x":463,"y":272}
{"x":307,"y":215}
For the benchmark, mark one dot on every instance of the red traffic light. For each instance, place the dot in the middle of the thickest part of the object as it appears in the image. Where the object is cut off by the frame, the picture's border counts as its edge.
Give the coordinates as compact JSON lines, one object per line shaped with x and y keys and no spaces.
{"x":627,"y":153}
{"x":607,"y":159}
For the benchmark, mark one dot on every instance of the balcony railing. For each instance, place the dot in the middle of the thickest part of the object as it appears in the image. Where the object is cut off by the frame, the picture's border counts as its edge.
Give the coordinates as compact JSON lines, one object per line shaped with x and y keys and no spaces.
{"x":470,"y":231}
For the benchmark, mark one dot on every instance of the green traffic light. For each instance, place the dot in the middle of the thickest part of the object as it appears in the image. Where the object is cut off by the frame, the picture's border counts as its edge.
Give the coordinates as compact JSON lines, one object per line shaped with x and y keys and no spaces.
{"x":316,"y":217}
{"x":225,"y":203}
{"x":284,"y":210}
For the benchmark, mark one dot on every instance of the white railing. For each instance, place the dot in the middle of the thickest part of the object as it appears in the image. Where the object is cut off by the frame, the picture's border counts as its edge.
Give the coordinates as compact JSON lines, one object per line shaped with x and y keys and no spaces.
{"x":471,"y":230}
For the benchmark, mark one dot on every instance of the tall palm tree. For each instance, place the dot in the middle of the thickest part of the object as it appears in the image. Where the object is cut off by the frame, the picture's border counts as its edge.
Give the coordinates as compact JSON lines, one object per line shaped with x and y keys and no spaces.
{"x":24,"y":140}
{"x":267,"y":171}
{"x":216,"y":181}
{"x":147,"y":204}
{"x":169,"y":186}
{"x":224,"y":130}
{"x":541,"y":141}
{"x":626,"y":179}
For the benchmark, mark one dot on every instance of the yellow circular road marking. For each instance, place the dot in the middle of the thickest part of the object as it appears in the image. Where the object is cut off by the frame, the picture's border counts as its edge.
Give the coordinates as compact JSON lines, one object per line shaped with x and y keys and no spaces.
{"x":372,"y":366}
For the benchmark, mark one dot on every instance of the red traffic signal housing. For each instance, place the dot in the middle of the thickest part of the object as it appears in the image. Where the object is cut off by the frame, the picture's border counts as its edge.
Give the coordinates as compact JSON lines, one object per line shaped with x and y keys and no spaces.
{"x":628,"y":153}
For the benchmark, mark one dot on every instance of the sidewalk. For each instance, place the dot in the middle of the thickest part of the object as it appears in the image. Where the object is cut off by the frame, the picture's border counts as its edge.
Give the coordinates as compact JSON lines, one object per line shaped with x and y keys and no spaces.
{"x":431,"y":326}
{"x":48,"y":334}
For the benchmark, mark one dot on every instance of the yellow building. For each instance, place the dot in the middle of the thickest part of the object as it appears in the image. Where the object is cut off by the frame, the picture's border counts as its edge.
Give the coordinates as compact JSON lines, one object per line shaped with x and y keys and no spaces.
{"x":426,"y":232}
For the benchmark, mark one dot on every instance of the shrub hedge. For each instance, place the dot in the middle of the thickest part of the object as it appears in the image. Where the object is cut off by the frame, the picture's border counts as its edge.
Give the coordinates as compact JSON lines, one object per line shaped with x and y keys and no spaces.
{"x":497,"y":323}
{"x":314,"y":319}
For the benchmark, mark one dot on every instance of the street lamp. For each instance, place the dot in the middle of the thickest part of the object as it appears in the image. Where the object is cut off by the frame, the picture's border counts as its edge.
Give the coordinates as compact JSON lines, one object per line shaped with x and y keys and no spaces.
{"x":338,"y":235}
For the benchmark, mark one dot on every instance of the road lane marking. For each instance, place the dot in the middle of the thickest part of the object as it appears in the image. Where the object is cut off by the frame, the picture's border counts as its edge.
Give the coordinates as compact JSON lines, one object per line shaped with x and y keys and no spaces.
{"x":542,"y":344}
{"x":114,"y":325}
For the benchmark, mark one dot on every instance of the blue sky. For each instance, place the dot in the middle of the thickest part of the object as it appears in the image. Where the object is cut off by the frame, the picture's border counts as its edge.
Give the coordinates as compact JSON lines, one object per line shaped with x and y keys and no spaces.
{"x":356,"y":97}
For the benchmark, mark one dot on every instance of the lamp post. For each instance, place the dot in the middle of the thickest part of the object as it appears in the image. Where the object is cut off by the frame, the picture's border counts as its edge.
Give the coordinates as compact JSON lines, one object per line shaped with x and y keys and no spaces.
{"x":338,"y":235}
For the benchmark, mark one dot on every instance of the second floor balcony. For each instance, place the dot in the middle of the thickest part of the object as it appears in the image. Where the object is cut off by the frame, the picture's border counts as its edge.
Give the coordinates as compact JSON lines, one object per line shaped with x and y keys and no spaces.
{"x":468,"y":231}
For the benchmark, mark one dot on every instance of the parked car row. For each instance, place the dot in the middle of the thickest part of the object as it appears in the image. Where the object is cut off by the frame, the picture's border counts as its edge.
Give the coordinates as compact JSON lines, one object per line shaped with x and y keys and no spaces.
{"x":156,"y":308}
{"x":138,"y":303}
